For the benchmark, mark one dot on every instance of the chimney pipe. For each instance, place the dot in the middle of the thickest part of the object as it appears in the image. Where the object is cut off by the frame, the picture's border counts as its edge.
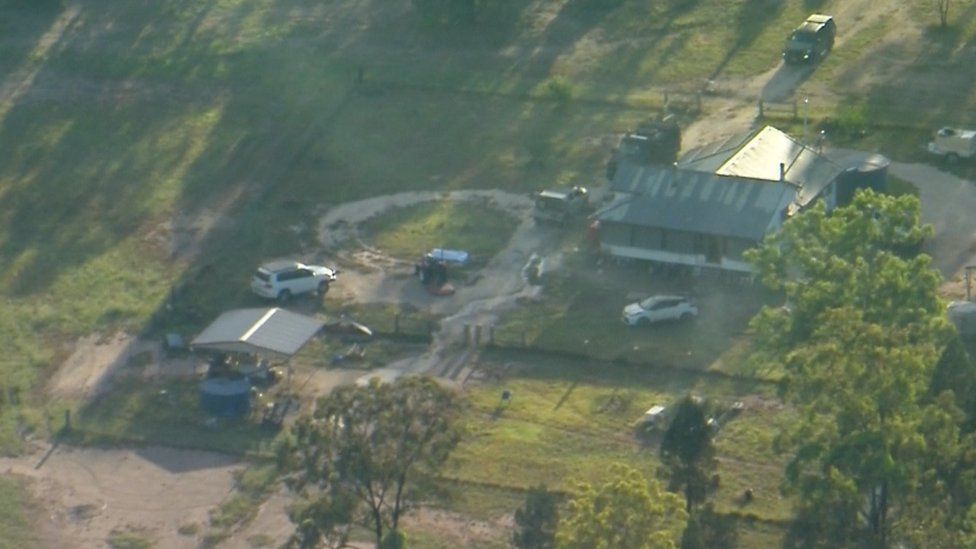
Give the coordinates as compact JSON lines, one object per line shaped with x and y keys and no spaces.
{"x":782,"y":172}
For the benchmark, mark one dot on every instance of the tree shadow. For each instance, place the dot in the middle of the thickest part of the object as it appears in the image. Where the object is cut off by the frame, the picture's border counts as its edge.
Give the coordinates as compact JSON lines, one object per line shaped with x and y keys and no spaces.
{"x":786,"y":80}
{"x":749,"y":22}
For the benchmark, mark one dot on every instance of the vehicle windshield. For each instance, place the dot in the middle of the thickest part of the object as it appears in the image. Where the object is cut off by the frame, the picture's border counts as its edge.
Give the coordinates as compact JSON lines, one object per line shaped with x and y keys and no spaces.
{"x":649,"y":302}
{"x":263,"y":275}
{"x":803,"y":37}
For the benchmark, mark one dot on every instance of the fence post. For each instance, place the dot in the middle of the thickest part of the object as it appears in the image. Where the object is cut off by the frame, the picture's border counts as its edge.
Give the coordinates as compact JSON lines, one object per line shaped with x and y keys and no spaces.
{"x":761,"y":113}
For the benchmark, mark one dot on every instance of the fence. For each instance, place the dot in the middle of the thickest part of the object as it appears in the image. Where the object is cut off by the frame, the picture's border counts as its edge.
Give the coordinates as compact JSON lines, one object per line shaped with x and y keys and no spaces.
{"x":780,"y":108}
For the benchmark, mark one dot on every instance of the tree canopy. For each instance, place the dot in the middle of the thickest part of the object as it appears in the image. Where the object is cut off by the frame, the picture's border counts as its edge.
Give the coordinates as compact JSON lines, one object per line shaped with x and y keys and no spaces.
{"x":859,"y":337}
{"x":535,"y":521}
{"x":687,"y":451}
{"x":356,"y":457}
{"x":627,"y":511}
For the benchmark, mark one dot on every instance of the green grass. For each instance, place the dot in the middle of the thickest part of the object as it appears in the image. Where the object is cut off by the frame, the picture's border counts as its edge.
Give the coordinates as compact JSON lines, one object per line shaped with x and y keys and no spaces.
{"x":120,"y":539}
{"x":247,"y":108}
{"x":476,"y":227}
{"x":567,"y":421}
{"x":167,"y":414}
{"x":15,"y":528}
{"x":581,"y":315}
{"x":130,"y":113}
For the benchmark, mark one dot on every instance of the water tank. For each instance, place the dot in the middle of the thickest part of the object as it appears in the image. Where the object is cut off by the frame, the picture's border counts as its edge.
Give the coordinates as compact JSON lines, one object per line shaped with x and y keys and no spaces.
{"x":963,"y":315}
{"x":223,"y":397}
{"x":869,"y":173}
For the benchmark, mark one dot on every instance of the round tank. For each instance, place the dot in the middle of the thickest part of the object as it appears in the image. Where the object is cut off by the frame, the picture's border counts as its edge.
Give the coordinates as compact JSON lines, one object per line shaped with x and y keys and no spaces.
{"x":868,"y":173}
{"x":225,"y":397}
{"x":963,"y":315}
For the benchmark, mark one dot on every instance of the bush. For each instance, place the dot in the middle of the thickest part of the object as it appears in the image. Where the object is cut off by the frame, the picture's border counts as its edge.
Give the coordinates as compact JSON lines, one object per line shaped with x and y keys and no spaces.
{"x":558,"y":90}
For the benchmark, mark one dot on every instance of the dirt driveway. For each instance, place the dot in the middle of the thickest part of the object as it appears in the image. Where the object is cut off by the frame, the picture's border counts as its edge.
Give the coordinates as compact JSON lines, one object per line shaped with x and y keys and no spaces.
{"x":87,"y":493}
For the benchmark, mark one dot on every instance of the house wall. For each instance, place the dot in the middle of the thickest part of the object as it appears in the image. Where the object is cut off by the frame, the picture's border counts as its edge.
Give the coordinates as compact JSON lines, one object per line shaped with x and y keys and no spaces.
{"x":674,"y":247}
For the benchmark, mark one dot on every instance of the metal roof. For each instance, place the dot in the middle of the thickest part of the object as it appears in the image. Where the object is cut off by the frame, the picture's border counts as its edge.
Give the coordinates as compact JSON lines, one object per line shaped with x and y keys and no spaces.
{"x":758,"y":155}
{"x":272,"y":332}
{"x":698,"y":202}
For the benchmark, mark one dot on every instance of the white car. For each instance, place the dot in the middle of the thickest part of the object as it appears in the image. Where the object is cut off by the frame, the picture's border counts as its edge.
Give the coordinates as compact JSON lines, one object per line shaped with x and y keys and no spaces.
{"x":282,"y":280}
{"x":659,"y":308}
{"x":954,"y":144}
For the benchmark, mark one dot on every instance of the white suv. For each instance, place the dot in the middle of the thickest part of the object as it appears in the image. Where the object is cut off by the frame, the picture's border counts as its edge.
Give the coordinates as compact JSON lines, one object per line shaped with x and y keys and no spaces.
{"x":659,"y":308}
{"x":283,"y":279}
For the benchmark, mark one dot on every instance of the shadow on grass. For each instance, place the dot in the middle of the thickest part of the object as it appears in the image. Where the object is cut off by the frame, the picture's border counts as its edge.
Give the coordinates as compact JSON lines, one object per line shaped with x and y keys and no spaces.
{"x":924,"y":84}
{"x":786,"y":80}
{"x":246,"y":121}
{"x":749,"y":22}
{"x":166,"y":415}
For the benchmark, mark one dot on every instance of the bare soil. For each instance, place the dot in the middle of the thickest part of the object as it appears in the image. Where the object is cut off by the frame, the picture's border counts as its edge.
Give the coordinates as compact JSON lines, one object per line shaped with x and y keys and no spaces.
{"x":87,"y":493}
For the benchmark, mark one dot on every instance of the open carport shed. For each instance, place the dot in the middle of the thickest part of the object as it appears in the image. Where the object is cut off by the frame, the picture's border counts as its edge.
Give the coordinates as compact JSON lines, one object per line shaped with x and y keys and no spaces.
{"x":275,"y":334}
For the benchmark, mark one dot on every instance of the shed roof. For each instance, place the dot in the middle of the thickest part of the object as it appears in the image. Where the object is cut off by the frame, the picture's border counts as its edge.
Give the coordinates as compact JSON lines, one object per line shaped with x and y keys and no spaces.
{"x":758,"y":155}
{"x":699,"y":202}
{"x":272,"y":332}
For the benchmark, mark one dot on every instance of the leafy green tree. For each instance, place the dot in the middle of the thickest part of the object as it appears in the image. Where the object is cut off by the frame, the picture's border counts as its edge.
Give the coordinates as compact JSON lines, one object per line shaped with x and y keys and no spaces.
{"x":535,"y":521}
{"x":358,"y":453}
{"x":628,"y":511}
{"x":687,"y":452}
{"x":859,"y":339}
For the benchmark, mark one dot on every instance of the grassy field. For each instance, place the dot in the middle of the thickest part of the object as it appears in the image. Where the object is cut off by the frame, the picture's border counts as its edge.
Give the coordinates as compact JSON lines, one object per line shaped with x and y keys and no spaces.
{"x":408,"y":233}
{"x":15,"y":530}
{"x":567,"y":421}
{"x":581,"y":314}
{"x":249,"y":112}
{"x":155,"y":152}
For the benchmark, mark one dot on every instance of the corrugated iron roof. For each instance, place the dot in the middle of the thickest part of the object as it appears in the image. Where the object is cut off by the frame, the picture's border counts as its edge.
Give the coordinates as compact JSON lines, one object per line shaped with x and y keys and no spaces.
{"x":274,"y":332}
{"x":758,"y":155}
{"x":697,"y":202}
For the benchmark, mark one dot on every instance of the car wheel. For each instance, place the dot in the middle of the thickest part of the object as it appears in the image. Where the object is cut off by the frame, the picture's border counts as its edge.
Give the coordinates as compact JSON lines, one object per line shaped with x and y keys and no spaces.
{"x":323,"y":288}
{"x":952,"y":159}
{"x":284,"y":296}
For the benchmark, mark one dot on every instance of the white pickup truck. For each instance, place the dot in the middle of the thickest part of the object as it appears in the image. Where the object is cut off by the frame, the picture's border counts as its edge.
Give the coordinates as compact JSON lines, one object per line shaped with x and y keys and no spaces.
{"x":953,"y":144}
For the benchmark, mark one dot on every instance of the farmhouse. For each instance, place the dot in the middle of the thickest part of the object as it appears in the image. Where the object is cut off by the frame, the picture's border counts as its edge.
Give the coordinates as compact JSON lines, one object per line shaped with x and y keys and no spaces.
{"x":722,"y":199}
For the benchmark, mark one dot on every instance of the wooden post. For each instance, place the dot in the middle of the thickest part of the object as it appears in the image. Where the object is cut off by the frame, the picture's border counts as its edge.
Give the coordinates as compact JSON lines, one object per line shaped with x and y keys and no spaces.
{"x":969,"y":282}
